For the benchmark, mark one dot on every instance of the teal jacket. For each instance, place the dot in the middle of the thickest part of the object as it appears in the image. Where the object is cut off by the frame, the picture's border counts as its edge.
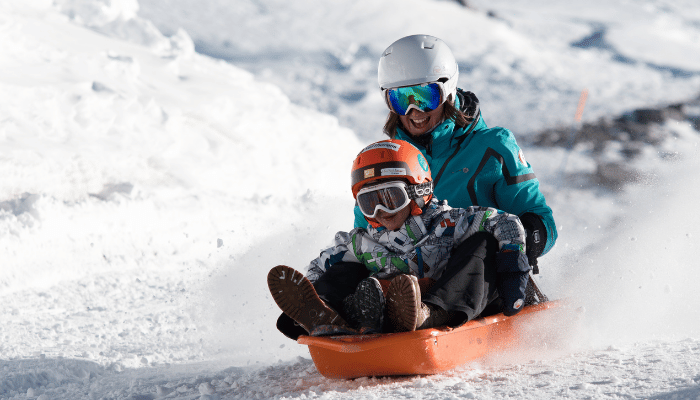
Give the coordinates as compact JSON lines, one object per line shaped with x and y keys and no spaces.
{"x":481,"y":166}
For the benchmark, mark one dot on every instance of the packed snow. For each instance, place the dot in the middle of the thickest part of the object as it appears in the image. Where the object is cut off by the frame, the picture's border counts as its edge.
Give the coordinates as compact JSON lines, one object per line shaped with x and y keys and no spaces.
{"x":159,"y":157}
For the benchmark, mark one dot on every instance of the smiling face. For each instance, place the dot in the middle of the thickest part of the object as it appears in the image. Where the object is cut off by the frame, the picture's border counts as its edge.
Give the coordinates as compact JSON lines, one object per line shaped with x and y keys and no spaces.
{"x":418,"y":122}
{"x":393,"y":222}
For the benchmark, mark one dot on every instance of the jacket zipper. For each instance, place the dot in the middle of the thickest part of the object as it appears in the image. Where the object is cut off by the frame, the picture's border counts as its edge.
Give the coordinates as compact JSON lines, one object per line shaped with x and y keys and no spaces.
{"x":459,"y":145}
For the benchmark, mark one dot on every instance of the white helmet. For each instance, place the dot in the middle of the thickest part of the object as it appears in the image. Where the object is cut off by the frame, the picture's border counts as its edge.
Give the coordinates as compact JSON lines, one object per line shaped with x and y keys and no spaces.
{"x":418,"y":59}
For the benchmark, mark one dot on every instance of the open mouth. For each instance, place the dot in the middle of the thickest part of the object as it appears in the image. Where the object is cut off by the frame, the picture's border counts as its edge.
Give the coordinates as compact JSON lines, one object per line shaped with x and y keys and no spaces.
{"x":419,"y":123}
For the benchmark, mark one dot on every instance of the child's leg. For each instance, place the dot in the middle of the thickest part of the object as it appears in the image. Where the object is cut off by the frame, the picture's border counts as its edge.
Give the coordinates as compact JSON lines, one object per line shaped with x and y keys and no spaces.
{"x":425,"y":285}
{"x":295,"y":295}
{"x":332,"y":287}
{"x":339,"y":281}
{"x":468,"y":283}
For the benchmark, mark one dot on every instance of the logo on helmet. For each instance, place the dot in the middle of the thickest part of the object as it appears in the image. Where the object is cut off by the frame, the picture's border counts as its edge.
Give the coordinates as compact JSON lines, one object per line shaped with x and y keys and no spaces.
{"x":382,"y":145}
{"x":369,"y":173}
{"x":393,"y":171}
{"x":423,"y":162}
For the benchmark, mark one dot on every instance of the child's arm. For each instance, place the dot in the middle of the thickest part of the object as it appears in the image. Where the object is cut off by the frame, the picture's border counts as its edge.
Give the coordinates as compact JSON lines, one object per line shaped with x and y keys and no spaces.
{"x":505,"y":227}
{"x":328,"y":257}
{"x":511,"y":260}
{"x":359,"y":247}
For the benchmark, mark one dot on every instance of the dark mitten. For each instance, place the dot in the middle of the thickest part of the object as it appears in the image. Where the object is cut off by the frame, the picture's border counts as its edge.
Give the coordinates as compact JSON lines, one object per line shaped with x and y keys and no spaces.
{"x":536,"y":238}
{"x":513,"y":271}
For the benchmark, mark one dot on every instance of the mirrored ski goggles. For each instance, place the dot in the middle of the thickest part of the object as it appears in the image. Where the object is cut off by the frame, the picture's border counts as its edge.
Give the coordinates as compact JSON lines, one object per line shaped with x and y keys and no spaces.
{"x":390,"y":197}
{"x":424,"y":97}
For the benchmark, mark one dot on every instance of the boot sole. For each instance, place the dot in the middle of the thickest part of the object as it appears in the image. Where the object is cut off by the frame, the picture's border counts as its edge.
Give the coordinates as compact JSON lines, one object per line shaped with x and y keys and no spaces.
{"x":295,"y":295}
{"x":403,"y":303}
{"x":369,"y":301}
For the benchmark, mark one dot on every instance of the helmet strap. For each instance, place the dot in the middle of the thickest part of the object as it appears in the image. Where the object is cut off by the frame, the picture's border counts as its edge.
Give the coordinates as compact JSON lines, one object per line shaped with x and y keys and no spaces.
{"x":373,"y":222}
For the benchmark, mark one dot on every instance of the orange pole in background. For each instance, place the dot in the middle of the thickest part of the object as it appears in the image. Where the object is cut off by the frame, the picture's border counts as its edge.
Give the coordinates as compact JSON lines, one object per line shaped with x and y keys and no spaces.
{"x":572,"y":136}
{"x":581,"y":105}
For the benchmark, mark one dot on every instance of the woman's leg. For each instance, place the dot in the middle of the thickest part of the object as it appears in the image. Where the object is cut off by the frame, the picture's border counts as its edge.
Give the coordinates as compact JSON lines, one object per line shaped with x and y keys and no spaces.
{"x":468,"y":283}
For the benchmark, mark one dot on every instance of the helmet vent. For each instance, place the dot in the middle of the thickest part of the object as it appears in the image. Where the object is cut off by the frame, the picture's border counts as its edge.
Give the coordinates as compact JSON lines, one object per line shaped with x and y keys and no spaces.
{"x":428,"y":46}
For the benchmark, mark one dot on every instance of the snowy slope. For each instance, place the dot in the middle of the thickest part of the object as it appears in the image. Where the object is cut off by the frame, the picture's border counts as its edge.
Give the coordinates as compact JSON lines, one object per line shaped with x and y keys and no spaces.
{"x":147,"y":189}
{"x":131,"y":174}
{"x":527,"y":63}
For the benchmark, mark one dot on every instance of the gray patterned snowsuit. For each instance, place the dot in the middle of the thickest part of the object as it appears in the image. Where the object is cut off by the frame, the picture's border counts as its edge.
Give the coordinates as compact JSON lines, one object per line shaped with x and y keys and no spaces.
{"x":422,"y":246}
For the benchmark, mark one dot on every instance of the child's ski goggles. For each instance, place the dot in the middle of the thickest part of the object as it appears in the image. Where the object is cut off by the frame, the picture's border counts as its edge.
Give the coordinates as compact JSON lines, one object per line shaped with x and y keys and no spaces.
{"x":424,"y":97}
{"x":390,"y":197}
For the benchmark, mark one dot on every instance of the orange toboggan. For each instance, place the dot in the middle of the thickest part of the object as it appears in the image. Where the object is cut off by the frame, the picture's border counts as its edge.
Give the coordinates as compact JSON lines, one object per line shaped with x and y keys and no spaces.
{"x":426,"y":351}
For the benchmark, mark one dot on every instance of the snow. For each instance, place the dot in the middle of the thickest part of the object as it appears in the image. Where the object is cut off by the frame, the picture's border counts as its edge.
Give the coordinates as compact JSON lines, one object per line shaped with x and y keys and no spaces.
{"x":523,"y":65}
{"x":158,"y":157}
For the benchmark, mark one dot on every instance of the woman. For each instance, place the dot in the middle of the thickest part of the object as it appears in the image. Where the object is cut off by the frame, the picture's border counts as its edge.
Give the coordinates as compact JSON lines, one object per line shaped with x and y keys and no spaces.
{"x":471,"y":163}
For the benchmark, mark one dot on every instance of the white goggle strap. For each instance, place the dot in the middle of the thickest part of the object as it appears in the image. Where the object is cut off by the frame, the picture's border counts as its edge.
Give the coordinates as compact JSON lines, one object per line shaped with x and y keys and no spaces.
{"x":420,"y":190}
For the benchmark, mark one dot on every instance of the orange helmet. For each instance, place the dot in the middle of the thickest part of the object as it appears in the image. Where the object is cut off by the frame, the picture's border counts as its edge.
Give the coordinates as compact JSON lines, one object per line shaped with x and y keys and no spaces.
{"x":394,"y":160}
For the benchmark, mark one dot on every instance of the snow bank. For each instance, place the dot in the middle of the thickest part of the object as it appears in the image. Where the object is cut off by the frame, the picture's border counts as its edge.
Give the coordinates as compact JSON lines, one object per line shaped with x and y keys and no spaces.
{"x":132,"y":171}
{"x":128,"y":149}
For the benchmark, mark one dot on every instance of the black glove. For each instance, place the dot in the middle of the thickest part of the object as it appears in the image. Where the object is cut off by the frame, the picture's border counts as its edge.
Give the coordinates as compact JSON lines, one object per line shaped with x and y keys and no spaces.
{"x":536,"y":238}
{"x":513,"y":271}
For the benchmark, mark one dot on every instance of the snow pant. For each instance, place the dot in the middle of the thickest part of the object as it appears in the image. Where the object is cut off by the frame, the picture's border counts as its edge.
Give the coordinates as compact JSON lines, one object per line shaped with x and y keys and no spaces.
{"x":467,"y":286}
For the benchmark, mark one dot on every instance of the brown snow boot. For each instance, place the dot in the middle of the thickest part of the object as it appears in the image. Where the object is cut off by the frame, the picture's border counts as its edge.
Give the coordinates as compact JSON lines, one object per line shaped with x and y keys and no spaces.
{"x":403,"y":303}
{"x":297,"y":298}
{"x":430,"y":316}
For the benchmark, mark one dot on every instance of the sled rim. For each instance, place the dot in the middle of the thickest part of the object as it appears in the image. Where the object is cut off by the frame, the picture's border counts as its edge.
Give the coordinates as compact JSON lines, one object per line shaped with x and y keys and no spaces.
{"x":358,"y":343}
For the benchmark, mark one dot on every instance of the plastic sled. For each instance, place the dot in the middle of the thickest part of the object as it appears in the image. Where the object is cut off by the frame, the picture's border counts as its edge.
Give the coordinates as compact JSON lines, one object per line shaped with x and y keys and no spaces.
{"x":427,"y":351}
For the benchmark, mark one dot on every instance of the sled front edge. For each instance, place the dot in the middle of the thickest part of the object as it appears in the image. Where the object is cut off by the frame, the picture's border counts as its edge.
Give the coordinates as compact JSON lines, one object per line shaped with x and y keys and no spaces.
{"x":426,"y":351}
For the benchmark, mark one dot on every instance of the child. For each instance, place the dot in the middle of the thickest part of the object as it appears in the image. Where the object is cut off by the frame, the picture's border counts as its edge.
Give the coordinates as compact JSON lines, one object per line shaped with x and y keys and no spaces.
{"x":412,"y":235}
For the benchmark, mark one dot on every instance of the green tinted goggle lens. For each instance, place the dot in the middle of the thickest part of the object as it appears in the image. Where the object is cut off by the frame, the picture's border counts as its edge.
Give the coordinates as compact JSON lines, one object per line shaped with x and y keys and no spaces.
{"x":422,"y":97}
